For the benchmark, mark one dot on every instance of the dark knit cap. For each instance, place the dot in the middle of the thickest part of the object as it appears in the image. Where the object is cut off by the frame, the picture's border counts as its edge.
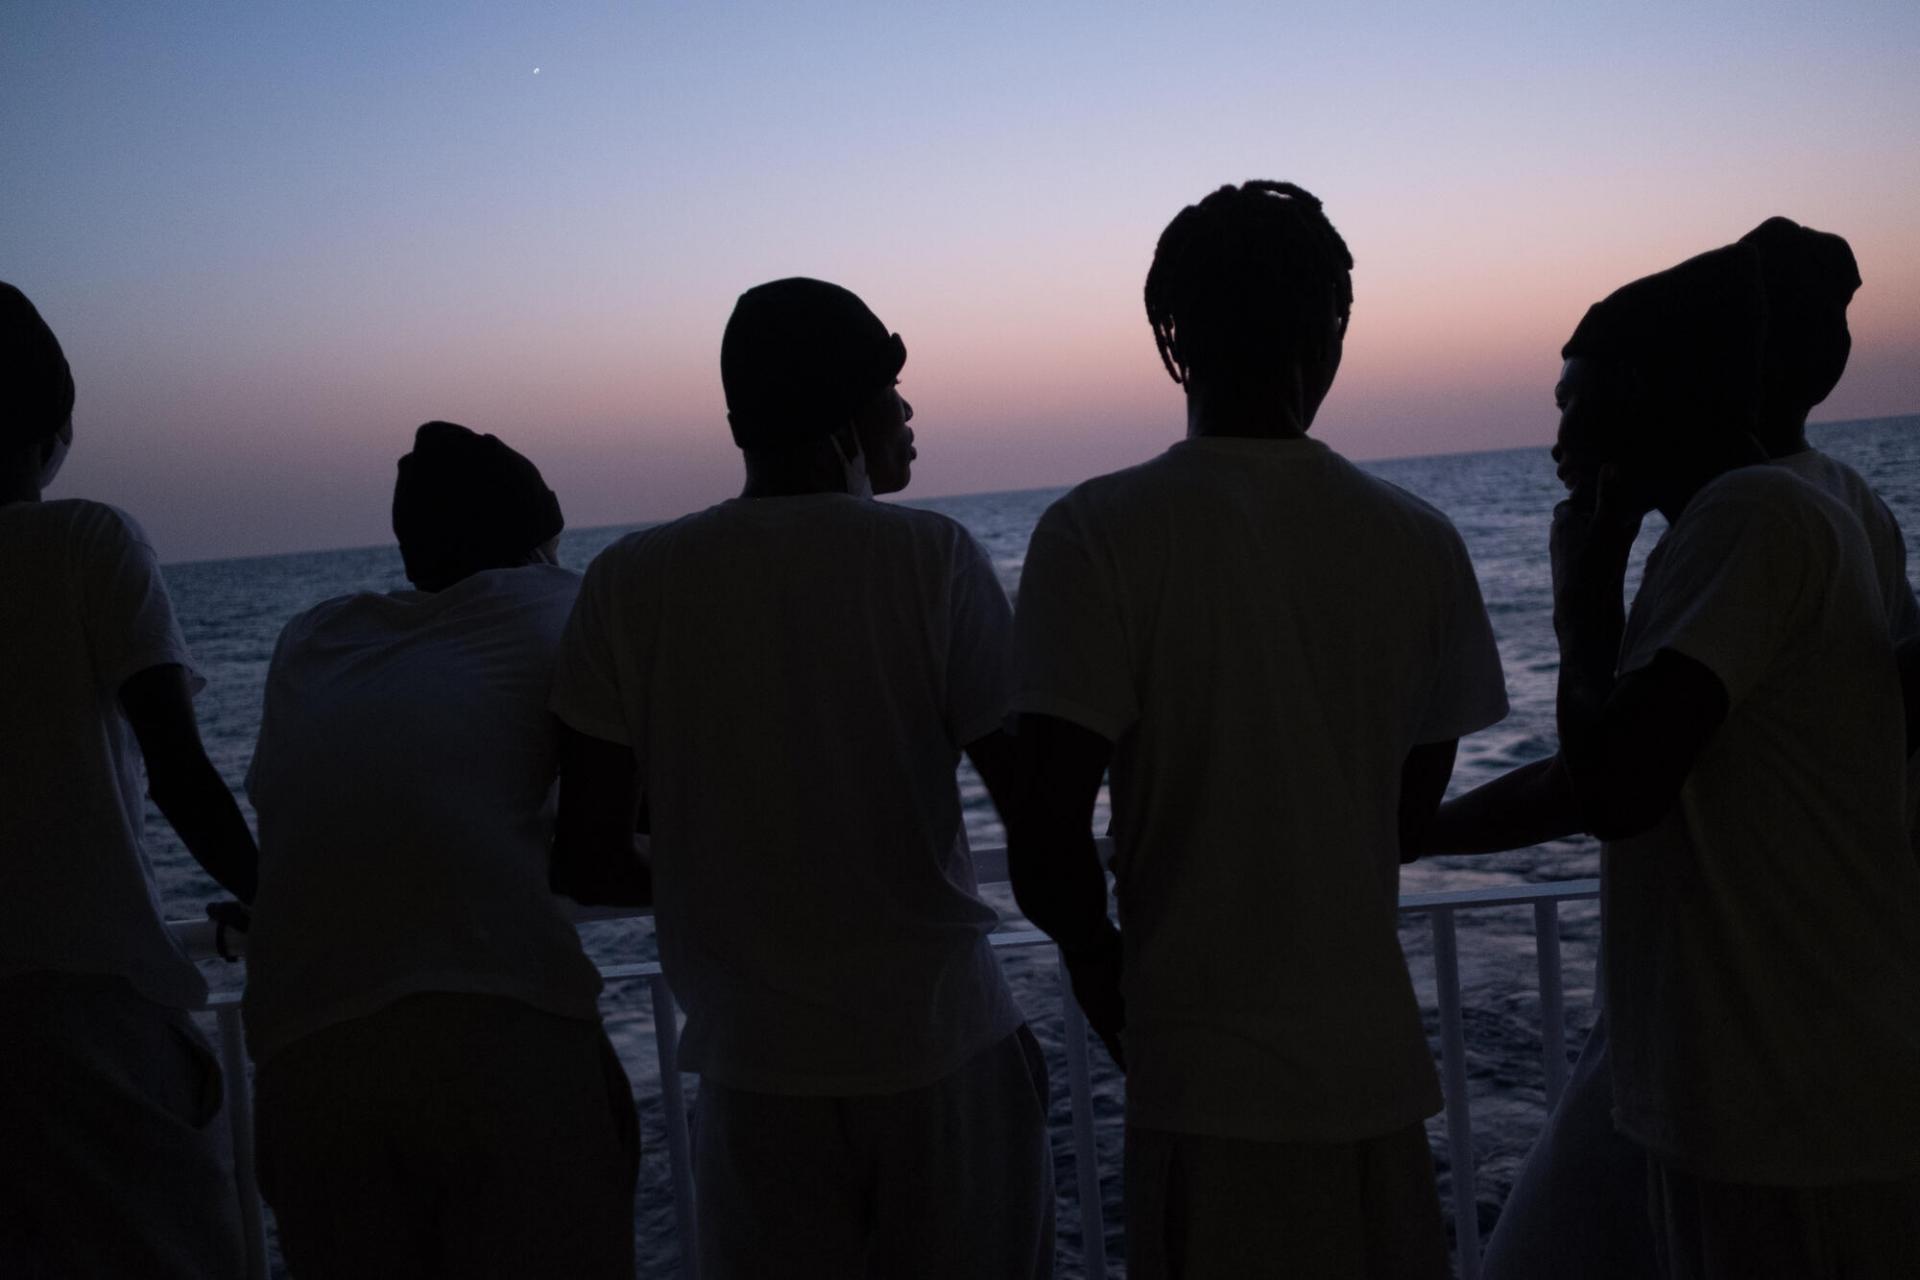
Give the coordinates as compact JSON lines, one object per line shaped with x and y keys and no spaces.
{"x":36,"y":387}
{"x":466,"y":502}
{"x":799,"y":358}
{"x":1810,"y":277}
{"x":1693,"y":333}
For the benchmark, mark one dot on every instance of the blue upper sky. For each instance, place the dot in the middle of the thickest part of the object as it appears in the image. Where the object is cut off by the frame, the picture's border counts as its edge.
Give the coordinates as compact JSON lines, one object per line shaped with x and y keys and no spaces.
{"x":275,"y":236}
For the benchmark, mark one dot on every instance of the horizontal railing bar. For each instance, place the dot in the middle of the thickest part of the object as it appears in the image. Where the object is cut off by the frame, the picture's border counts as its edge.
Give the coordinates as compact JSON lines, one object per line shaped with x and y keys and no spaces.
{"x":202,"y":940}
{"x":198,"y":937}
{"x":1506,"y":896}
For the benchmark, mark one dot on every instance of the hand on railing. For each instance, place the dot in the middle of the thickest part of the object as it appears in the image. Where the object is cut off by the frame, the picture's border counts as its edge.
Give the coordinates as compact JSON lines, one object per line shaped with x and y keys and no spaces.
{"x":228,"y":915}
{"x":1095,"y":971}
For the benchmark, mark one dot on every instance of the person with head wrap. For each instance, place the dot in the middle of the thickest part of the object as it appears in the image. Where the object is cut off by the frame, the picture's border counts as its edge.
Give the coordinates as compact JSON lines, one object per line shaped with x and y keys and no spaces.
{"x":788,"y":679}
{"x":113,"y":1146}
{"x":434,"y":1093}
{"x":1809,"y":277}
{"x":1735,"y":739}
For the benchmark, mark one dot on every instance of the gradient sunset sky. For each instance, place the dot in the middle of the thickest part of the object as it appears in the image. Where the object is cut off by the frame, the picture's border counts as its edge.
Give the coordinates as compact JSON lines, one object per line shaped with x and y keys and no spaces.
{"x":274,"y":237}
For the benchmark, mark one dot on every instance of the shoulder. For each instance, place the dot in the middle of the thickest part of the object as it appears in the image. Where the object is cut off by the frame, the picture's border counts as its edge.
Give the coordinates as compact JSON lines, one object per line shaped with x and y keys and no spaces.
{"x":1414,"y":511}
{"x":637,"y":548}
{"x":535,"y":584}
{"x":1841,"y":482}
{"x":1763,"y":493}
{"x":1765,"y":510}
{"x":318,"y":620}
{"x":97,"y":523}
{"x":1115,"y":495}
{"x":923,"y":525}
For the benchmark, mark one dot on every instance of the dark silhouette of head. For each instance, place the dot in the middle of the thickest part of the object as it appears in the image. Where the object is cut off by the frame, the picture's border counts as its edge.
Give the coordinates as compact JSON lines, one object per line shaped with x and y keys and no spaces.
{"x":465,"y":502}
{"x":36,"y":386}
{"x":1662,"y":379}
{"x":1809,"y":277}
{"x":807,"y":367}
{"x":1251,"y":281}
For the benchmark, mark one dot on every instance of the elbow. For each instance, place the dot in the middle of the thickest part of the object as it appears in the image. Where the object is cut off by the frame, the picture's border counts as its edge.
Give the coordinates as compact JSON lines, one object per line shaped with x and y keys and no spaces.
{"x":180,"y":792}
{"x":1623,"y":814}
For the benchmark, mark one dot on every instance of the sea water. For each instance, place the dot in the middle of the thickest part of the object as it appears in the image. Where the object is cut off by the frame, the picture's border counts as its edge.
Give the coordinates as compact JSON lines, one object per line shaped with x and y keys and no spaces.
{"x":232,"y":610}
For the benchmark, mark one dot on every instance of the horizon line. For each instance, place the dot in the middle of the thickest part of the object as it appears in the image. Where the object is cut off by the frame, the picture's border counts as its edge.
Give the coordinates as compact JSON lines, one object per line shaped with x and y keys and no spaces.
{"x":969,"y":493}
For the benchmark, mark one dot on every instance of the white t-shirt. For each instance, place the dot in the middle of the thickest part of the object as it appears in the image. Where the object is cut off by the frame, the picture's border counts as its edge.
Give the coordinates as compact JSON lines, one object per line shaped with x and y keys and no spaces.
{"x":83,"y":607}
{"x":1263,"y":631}
{"x":404,"y":785}
{"x":1764,"y":989}
{"x":796,"y":677}
{"x":1847,"y":487}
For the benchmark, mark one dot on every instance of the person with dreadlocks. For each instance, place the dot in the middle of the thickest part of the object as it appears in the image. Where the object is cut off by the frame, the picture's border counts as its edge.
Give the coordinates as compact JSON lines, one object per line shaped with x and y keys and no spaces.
{"x":114,"y":1151}
{"x":1275,"y":654}
{"x":1735,"y":739}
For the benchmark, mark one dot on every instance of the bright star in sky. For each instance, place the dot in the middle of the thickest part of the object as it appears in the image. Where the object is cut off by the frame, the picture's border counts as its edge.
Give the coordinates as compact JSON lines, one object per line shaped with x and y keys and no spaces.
{"x":536,"y":71}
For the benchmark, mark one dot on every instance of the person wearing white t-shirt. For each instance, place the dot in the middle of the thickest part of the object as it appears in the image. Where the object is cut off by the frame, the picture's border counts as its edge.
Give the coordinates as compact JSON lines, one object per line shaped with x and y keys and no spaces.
{"x":1275,"y":654}
{"x":434,"y":1092}
{"x":1578,"y":1204}
{"x":789,"y":679}
{"x":114,"y":1152}
{"x":1737,"y":742}
{"x":1810,"y":277}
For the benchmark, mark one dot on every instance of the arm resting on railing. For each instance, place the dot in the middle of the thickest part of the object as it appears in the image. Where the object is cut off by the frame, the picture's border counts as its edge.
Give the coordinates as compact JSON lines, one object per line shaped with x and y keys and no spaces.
{"x":1423,"y":781}
{"x":1055,"y":868}
{"x":1530,"y":805}
{"x":597,"y":858}
{"x":183,"y":783}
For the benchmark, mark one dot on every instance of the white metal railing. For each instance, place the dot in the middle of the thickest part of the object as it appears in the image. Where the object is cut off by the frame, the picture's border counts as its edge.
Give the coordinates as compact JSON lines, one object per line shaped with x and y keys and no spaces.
{"x":202,"y":940}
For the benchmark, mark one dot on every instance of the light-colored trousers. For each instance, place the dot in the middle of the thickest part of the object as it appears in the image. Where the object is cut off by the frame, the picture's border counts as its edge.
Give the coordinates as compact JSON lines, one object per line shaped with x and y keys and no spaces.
{"x":450,"y":1135}
{"x":953,"y":1181}
{"x":115,"y":1158}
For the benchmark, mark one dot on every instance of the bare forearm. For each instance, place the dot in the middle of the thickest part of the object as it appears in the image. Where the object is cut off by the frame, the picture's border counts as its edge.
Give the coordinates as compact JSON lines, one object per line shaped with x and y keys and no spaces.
{"x":197,"y":803}
{"x":1530,"y":805}
{"x":1060,"y":886}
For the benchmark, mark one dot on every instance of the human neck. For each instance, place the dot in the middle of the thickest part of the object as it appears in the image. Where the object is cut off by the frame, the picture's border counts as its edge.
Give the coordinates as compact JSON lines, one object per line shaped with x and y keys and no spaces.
{"x":1696,"y":474}
{"x":810,"y":467}
{"x":20,"y":477}
{"x":1786,"y":436}
{"x":1256,"y":408}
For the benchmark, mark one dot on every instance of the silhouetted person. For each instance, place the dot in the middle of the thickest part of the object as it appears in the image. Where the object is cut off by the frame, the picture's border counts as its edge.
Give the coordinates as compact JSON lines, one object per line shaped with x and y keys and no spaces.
{"x":1809,"y":277}
{"x":789,"y":678}
{"x":1275,"y":655}
{"x":1578,"y":1205}
{"x":434,"y":1093}
{"x":114,"y":1156}
{"x":1736,"y":742}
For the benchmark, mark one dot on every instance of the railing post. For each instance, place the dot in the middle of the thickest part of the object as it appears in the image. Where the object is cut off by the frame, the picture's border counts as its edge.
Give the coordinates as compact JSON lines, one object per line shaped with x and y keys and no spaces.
{"x":666,"y":1039}
{"x":233,"y":1065}
{"x":1453,"y":1045}
{"x":1086,"y":1153}
{"x":1553,"y":1021}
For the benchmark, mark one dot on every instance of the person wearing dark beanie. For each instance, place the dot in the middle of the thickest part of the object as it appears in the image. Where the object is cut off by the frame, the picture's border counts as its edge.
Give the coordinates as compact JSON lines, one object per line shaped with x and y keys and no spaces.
{"x":1736,"y":740}
{"x":1809,"y":278}
{"x":809,"y":373}
{"x":435,"y":1094}
{"x":114,"y":1154}
{"x":787,"y":679}
{"x":464,"y":502}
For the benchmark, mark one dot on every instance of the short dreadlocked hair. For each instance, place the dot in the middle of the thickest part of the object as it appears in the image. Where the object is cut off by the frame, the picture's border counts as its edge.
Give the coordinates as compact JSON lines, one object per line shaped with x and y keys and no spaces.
{"x":1249,"y":269}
